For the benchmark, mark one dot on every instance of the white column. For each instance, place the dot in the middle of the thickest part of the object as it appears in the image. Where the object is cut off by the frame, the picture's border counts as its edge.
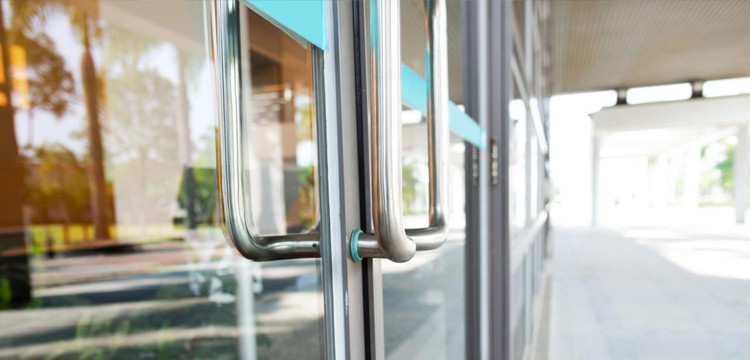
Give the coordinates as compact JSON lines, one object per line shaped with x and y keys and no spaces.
{"x":527,"y":176}
{"x":670,"y":181}
{"x":691,"y":192}
{"x":595,"y":162}
{"x":741,"y":169}
{"x":661,"y":182}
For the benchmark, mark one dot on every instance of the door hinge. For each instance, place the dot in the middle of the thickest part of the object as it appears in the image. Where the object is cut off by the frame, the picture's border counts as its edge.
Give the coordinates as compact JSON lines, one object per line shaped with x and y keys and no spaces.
{"x":475,"y":166}
{"x":494,"y":165}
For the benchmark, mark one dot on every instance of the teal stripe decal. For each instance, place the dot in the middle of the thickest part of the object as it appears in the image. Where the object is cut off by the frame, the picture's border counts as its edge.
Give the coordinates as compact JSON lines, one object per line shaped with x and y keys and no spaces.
{"x":306,"y":18}
{"x":414,"y":95}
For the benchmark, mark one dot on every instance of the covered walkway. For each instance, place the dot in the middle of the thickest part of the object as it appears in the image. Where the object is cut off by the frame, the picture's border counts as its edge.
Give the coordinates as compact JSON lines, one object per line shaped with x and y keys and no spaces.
{"x":650,"y":293}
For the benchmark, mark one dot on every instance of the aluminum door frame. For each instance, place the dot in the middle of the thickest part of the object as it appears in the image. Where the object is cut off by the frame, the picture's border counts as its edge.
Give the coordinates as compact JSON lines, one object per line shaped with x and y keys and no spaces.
{"x":344,"y":322}
{"x":476,"y":90}
{"x":499,"y":55}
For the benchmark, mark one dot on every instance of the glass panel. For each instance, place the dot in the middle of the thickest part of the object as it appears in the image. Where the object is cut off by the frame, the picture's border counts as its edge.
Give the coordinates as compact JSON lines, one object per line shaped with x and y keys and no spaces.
{"x":517,"y":171}
{"x":518,"y":309}
{"x":281,"y":132}
{"x":423,"y":299}
{"x":110,"y":245}
{"x":534,"y":172}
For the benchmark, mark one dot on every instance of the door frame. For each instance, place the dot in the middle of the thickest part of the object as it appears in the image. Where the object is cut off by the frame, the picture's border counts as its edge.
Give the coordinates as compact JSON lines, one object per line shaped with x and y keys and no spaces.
{"x":344,"y":316}
{"x":499,"y":53}
{"x":364,"y":279}
{"x":353,"y":291}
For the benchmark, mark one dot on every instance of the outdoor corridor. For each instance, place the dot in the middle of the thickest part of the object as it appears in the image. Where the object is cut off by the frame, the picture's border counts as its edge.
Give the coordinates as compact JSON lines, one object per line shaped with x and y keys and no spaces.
{"x":650,"y":293}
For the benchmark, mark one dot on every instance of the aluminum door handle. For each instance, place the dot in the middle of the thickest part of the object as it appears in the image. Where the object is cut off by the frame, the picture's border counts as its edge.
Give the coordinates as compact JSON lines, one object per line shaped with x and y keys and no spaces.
{"x":237,"y":221}
{"x":383,"y":49}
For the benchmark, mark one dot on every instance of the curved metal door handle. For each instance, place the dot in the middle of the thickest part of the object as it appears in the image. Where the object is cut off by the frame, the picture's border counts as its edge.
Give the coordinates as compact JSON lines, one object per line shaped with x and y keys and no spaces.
{"x":382,"y":39}
{"x":236,"y":218}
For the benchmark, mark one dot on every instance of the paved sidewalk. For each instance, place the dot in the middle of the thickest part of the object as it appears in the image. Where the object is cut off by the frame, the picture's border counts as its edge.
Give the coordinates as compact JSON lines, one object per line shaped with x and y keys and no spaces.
{"x":650,"y":293}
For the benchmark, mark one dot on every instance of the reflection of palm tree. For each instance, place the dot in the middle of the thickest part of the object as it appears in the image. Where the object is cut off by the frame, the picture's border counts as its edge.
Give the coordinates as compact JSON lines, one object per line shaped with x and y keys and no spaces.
{"x":26,"y":16}
{"x":8,"y":142}
{"x":50,"y":88}
{"x":14,"y":271}
{"x":96,"y":152}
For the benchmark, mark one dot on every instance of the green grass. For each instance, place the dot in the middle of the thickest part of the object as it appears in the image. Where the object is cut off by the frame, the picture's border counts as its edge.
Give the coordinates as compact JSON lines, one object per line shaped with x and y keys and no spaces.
{"x":78,"y":234}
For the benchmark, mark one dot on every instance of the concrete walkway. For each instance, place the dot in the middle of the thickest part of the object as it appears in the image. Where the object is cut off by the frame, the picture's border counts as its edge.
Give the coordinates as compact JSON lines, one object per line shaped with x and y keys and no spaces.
{"x":650,"y":293}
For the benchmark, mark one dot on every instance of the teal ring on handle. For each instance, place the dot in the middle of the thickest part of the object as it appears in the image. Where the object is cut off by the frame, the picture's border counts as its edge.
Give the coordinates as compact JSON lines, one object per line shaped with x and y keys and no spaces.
{"x":353,"y":245}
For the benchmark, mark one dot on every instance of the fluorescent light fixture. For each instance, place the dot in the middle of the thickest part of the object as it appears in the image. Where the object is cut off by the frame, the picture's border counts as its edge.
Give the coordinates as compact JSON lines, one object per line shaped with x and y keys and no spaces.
{"x":649,"y":94}
{"x":727,"y":87}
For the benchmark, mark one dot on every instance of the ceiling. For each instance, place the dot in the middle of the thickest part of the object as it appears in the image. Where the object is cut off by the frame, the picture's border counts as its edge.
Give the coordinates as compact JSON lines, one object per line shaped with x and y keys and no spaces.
{"x":413,"y":42}
{"x":609,"y":44}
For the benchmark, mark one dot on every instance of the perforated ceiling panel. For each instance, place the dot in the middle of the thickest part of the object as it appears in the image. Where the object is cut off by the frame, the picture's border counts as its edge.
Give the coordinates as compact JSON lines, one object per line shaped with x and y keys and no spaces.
{"x":608,"y":44}
{"x":413,"y":42}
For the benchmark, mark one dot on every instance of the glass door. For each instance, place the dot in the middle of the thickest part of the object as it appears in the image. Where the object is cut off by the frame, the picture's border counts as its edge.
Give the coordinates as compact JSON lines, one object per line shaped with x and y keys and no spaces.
{"x":111,"y":241}
{"x":417,"y":304}
{"x":201,"y":180}
{"x":424,"y":298}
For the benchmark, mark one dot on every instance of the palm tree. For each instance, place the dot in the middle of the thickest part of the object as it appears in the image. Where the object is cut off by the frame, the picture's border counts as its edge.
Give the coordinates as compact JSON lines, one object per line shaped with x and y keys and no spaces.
{"x":8,"y":143}
{"x":27,"y":15}
{"x":14,"y":271}
{"x":91,"y":96}
{"x":50,"y":87}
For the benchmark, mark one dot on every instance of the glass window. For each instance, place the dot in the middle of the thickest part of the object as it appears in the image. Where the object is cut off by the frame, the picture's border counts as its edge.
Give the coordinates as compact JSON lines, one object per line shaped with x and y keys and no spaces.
{"x":518,"y":118}
{"x":281,"y":131}
{"x":110,"y":242}
{"x":423,"y":299}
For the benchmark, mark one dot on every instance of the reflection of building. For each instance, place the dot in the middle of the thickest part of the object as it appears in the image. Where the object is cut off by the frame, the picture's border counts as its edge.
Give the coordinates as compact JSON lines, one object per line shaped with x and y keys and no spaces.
{"x":281,"y":113}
